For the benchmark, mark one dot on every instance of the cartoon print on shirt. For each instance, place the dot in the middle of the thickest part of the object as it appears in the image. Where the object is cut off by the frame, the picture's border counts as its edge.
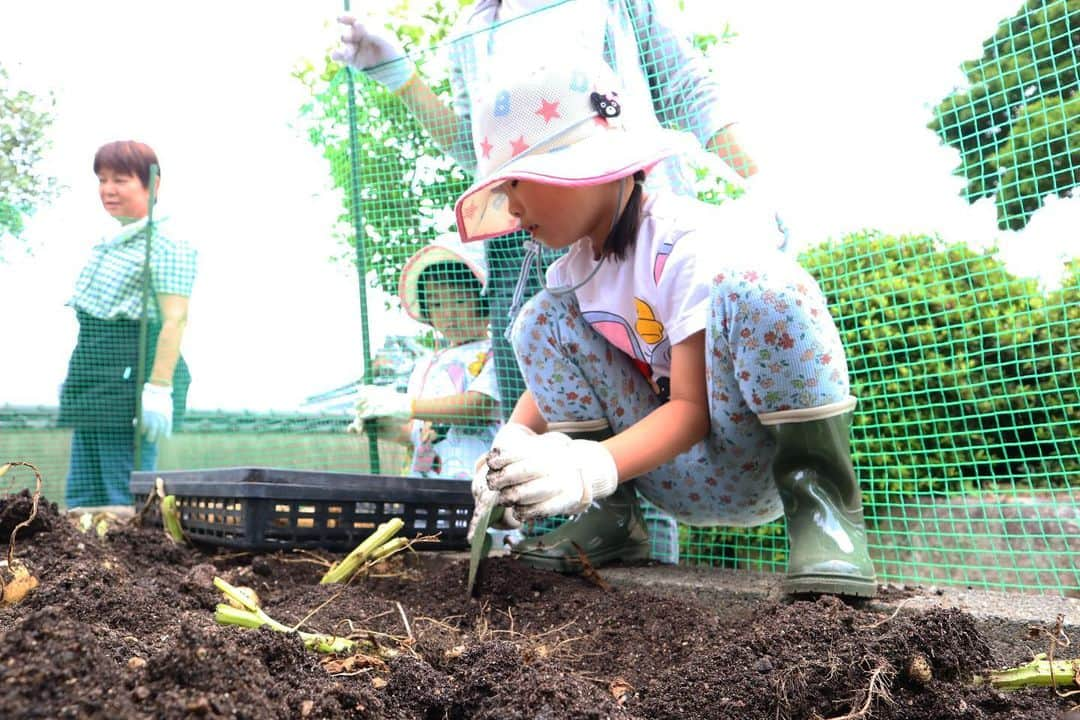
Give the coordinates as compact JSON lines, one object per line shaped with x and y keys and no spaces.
{"x":616,"y":330}
{"x":478,"y":364}
{"x":661,"y":260}
{"x":456,"y":371}
{"x":648,"y":327}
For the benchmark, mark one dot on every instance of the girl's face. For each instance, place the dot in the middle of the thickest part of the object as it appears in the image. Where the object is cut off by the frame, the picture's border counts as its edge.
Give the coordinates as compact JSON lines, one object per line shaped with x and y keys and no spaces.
{"x":559,"y":216}
{"x":454,"y":313}
{"x":123,"y":195}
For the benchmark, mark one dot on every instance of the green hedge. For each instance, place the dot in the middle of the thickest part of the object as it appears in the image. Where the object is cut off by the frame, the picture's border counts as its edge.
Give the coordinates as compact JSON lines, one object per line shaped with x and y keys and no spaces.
{"x":964,"y":372}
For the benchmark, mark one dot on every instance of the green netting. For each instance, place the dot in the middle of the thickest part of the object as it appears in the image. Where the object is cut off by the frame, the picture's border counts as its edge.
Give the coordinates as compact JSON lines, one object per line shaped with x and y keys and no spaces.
{"x":1015,"y":125}
{"x":967,"y":436}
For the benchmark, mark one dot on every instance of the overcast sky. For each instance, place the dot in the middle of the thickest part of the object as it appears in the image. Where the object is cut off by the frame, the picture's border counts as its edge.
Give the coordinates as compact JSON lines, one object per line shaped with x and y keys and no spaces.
{"x":833,"y":98}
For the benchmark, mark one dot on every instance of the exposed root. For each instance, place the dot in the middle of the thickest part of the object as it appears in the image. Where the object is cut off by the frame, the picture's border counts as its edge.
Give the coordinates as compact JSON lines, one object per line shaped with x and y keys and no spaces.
{"x":444,"y":623}
{"x":588,"y":571}
{"x":308,"y":557}
{"x":1059,"y":637}
{"x":554,"y":643}
{"x":405,"y":622}
{"x":792,"y":681}
{"x":879,"y":623}
{"x":22,"y":581}
{"x":877,"y":689}
{"x":33,"y":508}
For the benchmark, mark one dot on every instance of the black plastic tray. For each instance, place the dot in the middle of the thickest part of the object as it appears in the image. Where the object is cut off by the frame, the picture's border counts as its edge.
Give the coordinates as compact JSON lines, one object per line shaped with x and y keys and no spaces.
{"x":263,"y":509}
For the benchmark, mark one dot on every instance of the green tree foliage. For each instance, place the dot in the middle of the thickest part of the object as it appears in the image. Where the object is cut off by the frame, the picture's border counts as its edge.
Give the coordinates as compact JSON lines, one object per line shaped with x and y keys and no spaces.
{"x":405,"y":182}
{"x":1017,"y":126}
{"x":24,"y":123}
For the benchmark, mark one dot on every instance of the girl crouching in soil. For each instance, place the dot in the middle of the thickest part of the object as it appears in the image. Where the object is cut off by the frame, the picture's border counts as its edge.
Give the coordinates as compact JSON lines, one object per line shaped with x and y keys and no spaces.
{"x":673,"y":350}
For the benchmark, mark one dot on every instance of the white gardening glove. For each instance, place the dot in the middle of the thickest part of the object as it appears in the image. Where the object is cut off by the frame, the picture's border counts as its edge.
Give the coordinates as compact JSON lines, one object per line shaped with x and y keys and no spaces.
{"x":157,"y":408}
{"x":512,"y":439}
{"x":555,"y":475}
{"x":484,"y":498}
{"x":375,"y":53}
{"x":380,"y":401}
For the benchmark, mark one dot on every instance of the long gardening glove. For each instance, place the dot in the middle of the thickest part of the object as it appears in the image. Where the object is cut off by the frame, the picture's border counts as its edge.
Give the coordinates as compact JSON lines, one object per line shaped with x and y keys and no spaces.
{"x":374,"y":53}
{"x":157,"y":410}
{"x":552,"y":474}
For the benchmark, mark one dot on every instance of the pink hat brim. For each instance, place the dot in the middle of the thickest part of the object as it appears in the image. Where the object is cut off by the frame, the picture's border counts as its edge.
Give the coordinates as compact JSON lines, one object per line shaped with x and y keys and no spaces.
{"x":408,"y":283}
{"x":564,"y":167}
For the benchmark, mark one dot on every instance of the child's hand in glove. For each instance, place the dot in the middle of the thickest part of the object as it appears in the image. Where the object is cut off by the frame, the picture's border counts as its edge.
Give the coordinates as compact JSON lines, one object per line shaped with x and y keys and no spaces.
{"x":376,"y":53}
{"x":551,"y":474}
{"x":484,"y":498}
{"x":378,"y":401}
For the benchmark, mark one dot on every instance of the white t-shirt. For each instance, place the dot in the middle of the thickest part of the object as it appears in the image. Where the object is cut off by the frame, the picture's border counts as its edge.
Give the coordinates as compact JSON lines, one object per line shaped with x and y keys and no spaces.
{"x":659,"y":295}
{"x":456,"y":370}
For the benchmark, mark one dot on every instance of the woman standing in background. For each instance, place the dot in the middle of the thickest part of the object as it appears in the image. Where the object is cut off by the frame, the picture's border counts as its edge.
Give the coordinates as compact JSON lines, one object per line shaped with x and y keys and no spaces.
{"x":98,"y":396}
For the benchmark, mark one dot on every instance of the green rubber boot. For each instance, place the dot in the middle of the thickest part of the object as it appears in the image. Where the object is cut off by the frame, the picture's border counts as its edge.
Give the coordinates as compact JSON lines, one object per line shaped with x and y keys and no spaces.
{"x":822,"y":502}
{"x":611,"y":529}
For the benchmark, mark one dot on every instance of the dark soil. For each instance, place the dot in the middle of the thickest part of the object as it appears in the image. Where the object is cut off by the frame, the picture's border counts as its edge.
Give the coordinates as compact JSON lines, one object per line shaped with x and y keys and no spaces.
{"x":122,"y":627}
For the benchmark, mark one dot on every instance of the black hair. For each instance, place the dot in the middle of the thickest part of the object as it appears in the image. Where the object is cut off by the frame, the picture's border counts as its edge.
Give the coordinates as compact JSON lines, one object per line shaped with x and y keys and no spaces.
{"x":620,"y":240}
{"x":456,"y":273}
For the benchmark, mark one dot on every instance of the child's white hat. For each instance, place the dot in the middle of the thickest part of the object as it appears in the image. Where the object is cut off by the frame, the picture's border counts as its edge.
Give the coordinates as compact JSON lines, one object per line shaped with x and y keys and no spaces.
{"x":560,"y":123}
{"x":445,"y":248}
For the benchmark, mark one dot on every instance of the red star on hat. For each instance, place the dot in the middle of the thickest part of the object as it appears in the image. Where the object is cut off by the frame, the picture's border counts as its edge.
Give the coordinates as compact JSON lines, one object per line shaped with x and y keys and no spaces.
{"x":518,"y":146}
{"x":486,"y":147}
{"x":548,"y":110}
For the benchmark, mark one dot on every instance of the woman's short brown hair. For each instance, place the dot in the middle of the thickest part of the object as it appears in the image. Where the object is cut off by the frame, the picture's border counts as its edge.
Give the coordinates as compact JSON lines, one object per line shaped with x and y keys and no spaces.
{"x":127,"y":156}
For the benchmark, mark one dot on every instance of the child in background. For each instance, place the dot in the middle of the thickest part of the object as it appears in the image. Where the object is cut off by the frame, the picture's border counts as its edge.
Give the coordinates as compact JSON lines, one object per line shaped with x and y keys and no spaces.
{"x":449,"y":413}
{"x":674,"y":348}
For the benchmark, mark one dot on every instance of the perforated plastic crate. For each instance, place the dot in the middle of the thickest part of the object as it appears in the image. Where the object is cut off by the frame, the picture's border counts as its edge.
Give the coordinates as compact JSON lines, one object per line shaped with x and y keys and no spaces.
{"x":255,"y":508}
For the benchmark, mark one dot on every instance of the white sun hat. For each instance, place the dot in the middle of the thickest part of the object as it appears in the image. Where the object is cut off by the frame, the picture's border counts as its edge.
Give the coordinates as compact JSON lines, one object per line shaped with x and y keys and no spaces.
{"x":558,"y":123}
{"x":445,"y":248}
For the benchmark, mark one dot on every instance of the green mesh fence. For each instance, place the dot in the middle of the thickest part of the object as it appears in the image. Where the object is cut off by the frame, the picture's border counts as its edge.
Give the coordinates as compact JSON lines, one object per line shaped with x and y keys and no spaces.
{"x":965,"y":439}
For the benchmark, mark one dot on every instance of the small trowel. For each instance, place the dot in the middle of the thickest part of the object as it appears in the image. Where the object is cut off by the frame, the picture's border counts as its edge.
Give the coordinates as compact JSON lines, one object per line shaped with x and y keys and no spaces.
{"x":481,"y":543}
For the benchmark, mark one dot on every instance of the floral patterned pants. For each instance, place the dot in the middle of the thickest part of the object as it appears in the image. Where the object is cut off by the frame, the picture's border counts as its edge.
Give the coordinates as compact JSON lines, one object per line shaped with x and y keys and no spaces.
{"x":770,"y":345}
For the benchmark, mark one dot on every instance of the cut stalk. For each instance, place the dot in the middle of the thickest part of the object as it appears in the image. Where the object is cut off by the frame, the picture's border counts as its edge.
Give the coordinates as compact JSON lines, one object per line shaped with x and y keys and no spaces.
{"x":248,"y":614}
{"x":170,"y":519}
{"x":327,"y":643}
{"x":1040,"y":672}
{"x":227,"y":614}
{"x":342,"y":571}
{"x":389,"y":548}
